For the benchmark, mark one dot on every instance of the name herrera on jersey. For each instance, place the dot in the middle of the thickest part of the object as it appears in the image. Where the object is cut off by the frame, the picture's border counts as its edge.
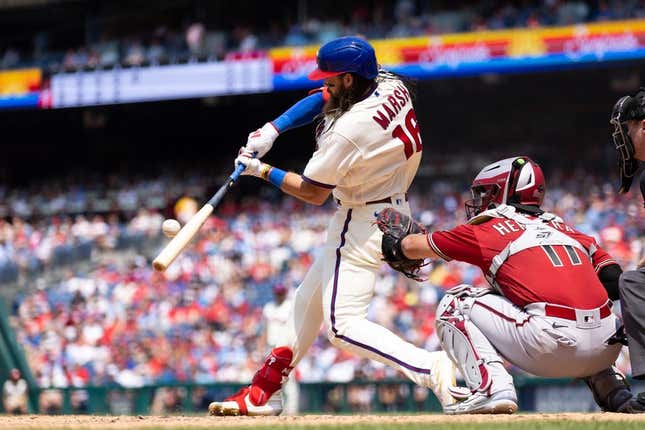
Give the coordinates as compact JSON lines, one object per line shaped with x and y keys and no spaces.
{"x":507,"y":226}
{"x":386,"y":113}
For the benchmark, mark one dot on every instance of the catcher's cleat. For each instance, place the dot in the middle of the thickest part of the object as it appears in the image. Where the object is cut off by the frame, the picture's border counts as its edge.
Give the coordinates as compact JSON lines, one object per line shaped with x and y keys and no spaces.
{"x":502,"y":402}
{"x":442,"y":377}
{"x":241,"y":404}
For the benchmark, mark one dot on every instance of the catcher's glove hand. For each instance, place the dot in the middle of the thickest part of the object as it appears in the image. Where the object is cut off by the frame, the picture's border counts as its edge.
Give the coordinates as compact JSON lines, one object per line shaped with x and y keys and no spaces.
{"x":395,"y":226}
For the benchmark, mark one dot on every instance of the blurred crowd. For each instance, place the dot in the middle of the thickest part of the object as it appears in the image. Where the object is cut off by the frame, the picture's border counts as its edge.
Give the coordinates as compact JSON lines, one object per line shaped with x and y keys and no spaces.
{"x":59,"y":224}
{"x":199,"y":40}
{"x":33,"y":248}
{"x":201,"y":321}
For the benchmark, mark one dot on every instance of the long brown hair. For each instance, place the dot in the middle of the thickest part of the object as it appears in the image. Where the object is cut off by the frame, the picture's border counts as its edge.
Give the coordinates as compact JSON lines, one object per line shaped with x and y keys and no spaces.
{"x":348,"y":97}
{"x":335,"y":108}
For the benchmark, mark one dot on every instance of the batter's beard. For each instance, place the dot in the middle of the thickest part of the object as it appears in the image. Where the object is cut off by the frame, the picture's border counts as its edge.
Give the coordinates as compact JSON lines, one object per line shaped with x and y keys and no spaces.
{"x":339,"y":103}
{"x":345,"y":98}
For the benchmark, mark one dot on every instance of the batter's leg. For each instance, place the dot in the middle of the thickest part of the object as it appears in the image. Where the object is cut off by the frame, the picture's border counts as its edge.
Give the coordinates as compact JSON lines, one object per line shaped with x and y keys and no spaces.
{"x":347,"y":292}
{"x":631,"y":287}
{"x":263,"y":396}
{"x":306,"y":315}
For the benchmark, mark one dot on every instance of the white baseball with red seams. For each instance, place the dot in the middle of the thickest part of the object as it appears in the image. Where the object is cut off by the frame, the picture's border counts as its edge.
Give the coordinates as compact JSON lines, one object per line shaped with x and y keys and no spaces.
{"x":170,"y":227}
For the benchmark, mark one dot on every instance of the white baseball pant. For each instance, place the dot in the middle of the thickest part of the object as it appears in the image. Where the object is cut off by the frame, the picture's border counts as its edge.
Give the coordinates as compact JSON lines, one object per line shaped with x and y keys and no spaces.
{"x":338,"y":289}
{"x":489,"y":326}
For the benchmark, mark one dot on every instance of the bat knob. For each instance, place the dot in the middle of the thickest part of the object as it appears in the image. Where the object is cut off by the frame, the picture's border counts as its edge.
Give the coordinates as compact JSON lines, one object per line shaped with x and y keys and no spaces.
{"x":159,"y":266}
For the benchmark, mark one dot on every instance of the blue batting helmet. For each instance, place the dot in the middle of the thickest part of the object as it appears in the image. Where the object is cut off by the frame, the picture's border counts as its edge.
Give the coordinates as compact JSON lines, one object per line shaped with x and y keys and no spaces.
{"x":345,"y":55}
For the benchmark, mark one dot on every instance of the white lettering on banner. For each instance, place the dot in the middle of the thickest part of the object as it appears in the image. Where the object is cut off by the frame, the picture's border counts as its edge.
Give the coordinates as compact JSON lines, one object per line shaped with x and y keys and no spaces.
{"x":600,"y":45}
{"x":453,"y":56}
{"x":297,"y":68}
{"x":179,"y":81}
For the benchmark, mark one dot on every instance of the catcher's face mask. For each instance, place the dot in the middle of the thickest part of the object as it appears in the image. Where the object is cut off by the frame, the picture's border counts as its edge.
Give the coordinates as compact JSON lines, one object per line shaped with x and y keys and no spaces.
{"x":483,"y":196}
{"x":626,"y":108}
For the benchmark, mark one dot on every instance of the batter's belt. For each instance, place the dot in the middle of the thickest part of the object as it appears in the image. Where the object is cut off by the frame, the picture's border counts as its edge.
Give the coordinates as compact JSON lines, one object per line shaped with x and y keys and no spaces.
{"x":391,"y":199}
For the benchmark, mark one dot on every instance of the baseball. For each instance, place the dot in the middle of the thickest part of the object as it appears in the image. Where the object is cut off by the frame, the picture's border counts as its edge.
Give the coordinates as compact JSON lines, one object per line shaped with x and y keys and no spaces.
{"x":170,"y":227}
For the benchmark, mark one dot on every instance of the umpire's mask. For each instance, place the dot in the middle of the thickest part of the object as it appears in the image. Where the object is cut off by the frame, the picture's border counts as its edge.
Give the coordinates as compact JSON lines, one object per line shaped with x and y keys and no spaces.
{"x":626,"y":108}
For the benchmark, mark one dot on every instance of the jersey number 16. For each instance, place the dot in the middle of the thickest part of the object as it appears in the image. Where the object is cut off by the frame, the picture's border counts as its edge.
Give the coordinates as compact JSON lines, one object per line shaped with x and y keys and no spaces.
{"x":412,"y":126}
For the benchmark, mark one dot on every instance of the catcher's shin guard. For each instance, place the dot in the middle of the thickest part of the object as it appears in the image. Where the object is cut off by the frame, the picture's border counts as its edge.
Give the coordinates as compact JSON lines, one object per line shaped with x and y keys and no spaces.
{"x":478,"y":361}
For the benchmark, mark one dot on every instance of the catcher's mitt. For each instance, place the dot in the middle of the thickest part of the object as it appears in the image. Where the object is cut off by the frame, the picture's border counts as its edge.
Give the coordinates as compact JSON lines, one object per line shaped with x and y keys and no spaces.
{"x":395,"y":226}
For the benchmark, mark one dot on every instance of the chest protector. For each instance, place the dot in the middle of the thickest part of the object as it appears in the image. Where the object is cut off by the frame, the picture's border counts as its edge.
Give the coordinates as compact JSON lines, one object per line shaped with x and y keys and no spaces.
{"x":537,"y":232}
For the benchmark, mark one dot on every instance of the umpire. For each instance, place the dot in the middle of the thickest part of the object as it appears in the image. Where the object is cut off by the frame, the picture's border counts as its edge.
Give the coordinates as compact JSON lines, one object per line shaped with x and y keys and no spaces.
{"x":628,"y":121}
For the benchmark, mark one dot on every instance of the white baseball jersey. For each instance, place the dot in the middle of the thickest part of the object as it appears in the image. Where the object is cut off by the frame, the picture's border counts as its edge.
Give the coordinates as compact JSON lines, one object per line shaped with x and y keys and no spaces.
{"x":372,"y":151}
{"x":276,"y":317}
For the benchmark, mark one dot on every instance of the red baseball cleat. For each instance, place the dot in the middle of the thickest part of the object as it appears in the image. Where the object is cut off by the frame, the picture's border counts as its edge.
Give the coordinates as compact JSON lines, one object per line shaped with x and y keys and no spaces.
{"x":240,"y":404}
{"x":263,"y":396}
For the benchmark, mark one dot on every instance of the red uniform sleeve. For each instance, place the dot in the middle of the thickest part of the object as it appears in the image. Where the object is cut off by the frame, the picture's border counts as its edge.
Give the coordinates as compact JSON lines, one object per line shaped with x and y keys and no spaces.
{"x":459,"y":244}
{"x":600,"y":258}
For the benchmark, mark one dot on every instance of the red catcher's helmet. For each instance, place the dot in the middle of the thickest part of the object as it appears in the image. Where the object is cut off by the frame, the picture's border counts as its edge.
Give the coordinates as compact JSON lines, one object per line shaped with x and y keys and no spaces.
{"x":512,"y":181}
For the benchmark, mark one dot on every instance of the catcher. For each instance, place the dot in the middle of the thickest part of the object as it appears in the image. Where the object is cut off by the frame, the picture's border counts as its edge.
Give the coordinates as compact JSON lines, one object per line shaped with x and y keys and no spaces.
{"x":546,"y":310}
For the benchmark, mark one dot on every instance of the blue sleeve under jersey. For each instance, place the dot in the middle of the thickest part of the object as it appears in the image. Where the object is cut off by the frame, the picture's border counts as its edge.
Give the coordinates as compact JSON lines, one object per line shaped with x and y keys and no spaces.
{"x":301,"y":113}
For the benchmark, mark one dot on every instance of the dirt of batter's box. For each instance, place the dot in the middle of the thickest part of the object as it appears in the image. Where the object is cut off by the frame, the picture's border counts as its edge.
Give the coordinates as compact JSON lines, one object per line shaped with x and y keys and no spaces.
{"x":142,"y":422}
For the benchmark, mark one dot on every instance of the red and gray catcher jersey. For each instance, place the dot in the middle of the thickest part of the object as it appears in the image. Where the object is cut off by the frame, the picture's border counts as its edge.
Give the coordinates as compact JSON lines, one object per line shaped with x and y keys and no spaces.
{"x":563,"y":274}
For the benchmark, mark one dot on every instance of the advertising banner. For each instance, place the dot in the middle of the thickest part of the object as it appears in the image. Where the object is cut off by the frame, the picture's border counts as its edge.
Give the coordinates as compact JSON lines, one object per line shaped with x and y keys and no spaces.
{"x":20,"y":88}
{"x":503,"y":51}
{"x":160,"y":83}
{"x":286,"y":68}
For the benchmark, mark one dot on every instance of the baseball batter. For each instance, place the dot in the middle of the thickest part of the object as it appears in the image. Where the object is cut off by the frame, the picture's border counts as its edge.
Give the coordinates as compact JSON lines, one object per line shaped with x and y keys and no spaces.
{"x":368,"y":151}
{"x":547,"y":311}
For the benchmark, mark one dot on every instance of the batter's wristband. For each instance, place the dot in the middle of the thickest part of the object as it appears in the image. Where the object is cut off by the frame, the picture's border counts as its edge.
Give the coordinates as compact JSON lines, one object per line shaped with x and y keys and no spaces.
{"x":264,"y":171}
{"x":276,"y":176}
